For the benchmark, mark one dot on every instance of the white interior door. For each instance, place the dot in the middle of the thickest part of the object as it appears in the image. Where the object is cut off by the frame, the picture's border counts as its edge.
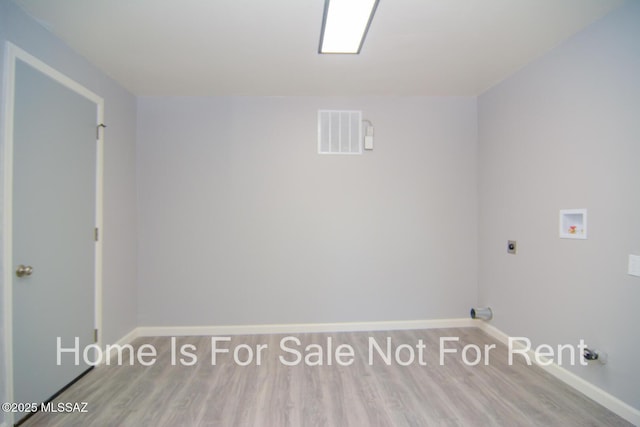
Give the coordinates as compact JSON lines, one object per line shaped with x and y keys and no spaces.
{"x":53,"y":245}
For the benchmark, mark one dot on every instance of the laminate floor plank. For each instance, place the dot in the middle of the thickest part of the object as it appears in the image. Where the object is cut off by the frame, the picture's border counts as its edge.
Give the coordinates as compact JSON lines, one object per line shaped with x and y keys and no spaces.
{"x":183,"y":387}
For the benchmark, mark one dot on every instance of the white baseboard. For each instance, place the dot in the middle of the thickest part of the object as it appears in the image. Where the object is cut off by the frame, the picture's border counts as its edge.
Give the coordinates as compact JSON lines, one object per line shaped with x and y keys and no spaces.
{"x":176,"y":331}
{"x":226,"y":330}
{"x":127,"y":339}
{"x":607,"y":400}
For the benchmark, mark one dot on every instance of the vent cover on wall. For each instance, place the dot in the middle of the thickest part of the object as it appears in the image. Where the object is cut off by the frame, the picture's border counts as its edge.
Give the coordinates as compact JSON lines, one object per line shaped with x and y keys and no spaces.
{"x":339,"y":132}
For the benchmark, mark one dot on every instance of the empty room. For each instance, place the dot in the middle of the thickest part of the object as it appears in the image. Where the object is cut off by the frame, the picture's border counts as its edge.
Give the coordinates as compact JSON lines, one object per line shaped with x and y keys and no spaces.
{"x":319,"y":213}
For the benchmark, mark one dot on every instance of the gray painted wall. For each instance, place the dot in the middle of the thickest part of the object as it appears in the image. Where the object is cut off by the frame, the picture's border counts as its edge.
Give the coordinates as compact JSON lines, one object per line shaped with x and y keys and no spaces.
{"x":120,"y":224}
{"x":242,"y":222}
{"x":564,"y":132}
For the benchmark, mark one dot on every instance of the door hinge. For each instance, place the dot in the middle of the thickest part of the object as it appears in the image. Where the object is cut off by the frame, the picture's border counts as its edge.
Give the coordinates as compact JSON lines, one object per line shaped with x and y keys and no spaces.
{"x":101,"y":125}
{"x":95,"y":335}
{"x":96,"y":234}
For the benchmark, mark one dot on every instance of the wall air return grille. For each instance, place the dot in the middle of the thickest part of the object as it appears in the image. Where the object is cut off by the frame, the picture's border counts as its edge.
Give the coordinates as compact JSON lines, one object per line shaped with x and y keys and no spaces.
{"x":339,"y":132}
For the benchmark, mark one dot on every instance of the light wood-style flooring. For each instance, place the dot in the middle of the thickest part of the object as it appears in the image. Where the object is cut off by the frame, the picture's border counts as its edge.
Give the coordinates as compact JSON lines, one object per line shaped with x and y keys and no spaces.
{"x":361,"y":394}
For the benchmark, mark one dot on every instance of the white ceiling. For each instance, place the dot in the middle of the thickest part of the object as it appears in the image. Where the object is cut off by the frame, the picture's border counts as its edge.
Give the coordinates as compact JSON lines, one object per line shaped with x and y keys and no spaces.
{"x":260,"y":47}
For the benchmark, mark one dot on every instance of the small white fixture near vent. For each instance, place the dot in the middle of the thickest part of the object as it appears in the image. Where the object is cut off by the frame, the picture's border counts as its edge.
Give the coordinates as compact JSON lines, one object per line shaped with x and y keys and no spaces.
{"x":368,"y":135}
{"x":339,"y":132}
{"x":573,"y":224}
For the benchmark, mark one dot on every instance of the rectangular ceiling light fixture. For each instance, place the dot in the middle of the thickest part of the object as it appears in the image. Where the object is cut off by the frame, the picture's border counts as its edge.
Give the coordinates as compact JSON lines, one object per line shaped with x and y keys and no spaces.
{"x":345,"y":24}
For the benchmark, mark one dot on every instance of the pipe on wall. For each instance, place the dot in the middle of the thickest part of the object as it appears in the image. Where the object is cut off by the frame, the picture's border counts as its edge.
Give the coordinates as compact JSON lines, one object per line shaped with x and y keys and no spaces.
{"x":482,"y":313}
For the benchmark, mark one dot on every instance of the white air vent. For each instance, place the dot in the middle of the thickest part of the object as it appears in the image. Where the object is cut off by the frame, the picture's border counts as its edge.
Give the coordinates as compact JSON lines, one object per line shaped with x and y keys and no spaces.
{"x":339,"y":132}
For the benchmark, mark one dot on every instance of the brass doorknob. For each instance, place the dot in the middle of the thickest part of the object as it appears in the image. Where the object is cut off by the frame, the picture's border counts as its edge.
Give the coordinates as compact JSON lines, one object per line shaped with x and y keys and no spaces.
{"x":24,"y":270}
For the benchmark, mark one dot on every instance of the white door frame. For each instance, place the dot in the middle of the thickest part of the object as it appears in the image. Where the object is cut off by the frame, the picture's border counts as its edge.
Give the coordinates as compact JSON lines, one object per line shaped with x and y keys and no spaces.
{"x":12,"y":54}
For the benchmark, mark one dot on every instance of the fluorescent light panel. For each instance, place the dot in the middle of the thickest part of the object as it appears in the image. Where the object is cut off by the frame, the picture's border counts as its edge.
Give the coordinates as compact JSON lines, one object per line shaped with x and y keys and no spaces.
{"x":345,"y":25}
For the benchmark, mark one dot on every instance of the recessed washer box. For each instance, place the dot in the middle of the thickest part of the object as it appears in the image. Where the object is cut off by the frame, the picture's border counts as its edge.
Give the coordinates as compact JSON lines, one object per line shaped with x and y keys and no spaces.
{"x":573,"y":224}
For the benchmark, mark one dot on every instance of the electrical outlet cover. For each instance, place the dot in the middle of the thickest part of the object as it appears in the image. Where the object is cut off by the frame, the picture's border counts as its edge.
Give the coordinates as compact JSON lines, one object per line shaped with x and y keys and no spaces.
{"x":634,"y":265}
